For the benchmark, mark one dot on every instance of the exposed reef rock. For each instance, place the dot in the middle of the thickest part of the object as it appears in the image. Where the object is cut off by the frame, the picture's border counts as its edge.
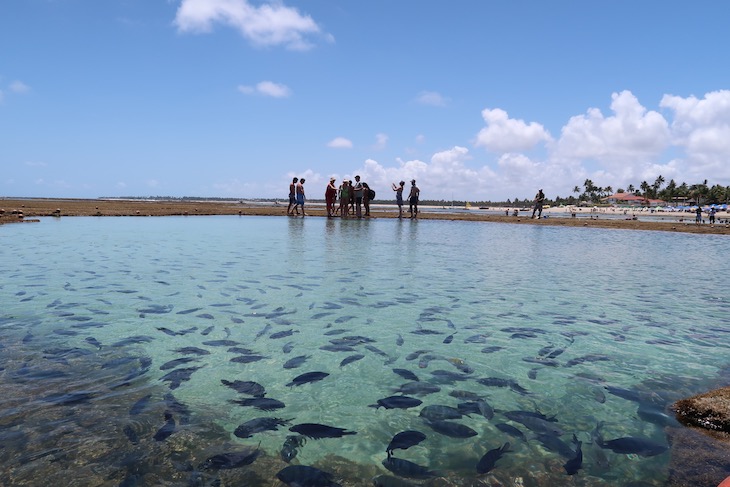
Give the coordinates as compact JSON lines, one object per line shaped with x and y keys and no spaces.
{"x":709,"y":411}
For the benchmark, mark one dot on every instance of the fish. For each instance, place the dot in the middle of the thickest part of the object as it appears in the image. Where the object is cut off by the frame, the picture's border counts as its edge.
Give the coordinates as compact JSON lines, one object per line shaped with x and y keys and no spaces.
{"x":376,"y":350}
{"x":624,"y":393}
{"x":258,"y":425}
{"x":417,"y":388}
{"x":492,"y":349}
{"x":289,"y":448}
{"x":167,"y":429}
{"x":221,"y":343}
{"x":246,"y":387}
{"x":449,"y":428}
{"x":576,"y":462}
{"x":288,"y":347}
{"x":188,"y":311}
{"x":555,"y":445}
{"x":156,"y":309}
{"x":460,"y":394}
{"x":206,"y":316}
{"x":399,"y":340}
{"x":177,"y":376}
{"x":178,"y":361}
{"x":397,"y":402}
{"x":230,"y":460}
{"x":587,"y":358}
{"x":336,"y":331}
{"x":192,"y":351}
{"x":131,"y":435}
{"x":448,"y":339}
{"x":489,"y":459}
{"x":133,"y":340}
{"x":446,"y":376}
{"x":634,"y":445}
{"x":406,"y":468}
{"x":283,"y":334}
{"x":510,"y":430}
{"x":480,"y":406}
{"x":406,"y":374}
{"x":303,"y":475}
{"x":140,"y":405}
{"x":306,"y":378}
{"x":93,"y":341}
{"x":435,"y":412}
{"x":351,"y":359}
{"x":260,"y":403}
{"x":317,"y":431}
{"x":295,"y":362}
{"x":404,"y":440}
{"x":416,"y":354}
{"x":537,"y":425}
{"x":247,"y":359}
{"x":337,"y":348}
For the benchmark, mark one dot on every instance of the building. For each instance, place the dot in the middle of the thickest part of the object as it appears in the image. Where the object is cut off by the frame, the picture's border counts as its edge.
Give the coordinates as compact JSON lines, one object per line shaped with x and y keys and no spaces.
{"x":630,"y":199}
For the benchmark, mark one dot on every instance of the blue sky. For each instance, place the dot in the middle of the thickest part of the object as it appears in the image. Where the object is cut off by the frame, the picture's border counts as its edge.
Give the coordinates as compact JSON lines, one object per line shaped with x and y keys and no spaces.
{"x":477,"y":100}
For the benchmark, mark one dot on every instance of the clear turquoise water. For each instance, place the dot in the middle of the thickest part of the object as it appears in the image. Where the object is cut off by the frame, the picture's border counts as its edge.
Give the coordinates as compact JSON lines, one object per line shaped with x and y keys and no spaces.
{"x":649,"y":309}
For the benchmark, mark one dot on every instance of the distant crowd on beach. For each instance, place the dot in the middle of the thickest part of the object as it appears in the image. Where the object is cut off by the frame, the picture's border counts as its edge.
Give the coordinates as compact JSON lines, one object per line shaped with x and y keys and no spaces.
{"x":350,"y":199}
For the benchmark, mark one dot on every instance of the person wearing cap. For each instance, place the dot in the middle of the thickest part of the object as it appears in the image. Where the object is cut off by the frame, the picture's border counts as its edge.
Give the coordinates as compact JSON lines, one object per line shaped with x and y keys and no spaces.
{"x":413,"y":199}
{"x":292,"y":197}
{"x":539,"y":200}
{"x":330,"y":194}
{"x":399,"y":197}
{"x":358,"y":189}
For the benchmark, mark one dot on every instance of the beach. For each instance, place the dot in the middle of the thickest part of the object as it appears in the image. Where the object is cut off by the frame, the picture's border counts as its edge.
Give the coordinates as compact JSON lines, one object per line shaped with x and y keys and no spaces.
{"x":30,"y":209}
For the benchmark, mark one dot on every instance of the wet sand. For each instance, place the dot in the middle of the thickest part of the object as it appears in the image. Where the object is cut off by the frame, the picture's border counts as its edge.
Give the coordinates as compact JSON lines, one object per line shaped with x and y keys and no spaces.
{"x":28,"y":210}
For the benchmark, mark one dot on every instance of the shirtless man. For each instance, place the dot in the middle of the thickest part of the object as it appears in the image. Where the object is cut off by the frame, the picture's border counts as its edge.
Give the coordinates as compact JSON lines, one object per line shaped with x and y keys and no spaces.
{"x":413,"y":199}
{"x":300,"y":196}
{"x":292,"y":197}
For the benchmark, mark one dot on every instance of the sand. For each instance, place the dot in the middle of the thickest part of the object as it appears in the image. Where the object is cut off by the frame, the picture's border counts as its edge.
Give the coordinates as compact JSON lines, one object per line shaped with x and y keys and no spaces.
{"x":29,"y":209}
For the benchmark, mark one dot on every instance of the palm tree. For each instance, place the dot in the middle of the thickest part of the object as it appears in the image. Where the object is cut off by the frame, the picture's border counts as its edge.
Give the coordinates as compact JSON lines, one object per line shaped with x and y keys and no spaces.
{"x":630,"y":188}
{"x":658,"y":184}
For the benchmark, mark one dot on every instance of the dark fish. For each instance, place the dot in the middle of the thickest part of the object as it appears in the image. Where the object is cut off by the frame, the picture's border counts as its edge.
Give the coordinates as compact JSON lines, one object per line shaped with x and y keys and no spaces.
{"x":397,"y":402}
{"x":258,"y":425}
{"x":449,"y":339}
{"x":317,"y":431}
{"x":494,"y":382}
{"x":93,"y":341}
{"x":230,"y":460}
{"x":510,"y":430}
{"x":318,"y":316}
{"x":336,"y":331}
{"x":426,"y":331}
{"x":289,"y":449}
{"x":459,"y":394}
{"x":492,"y":349}
{"x":447,"y":376}
{"x":307,"y":377}
{"x":295,"y":362}
{"x":587,"y":358}
{"x":241,"y":351}
{"x":188,"y":311}
{"x":260,"y":403}
{"x":156,"y":309}
{"x":555,"y":445}
{"x":220,"y":343}
{"x":167,"y":429}
{"x":247,"y":359}
{"x":624,"y":393}
{"x":133,"y":340}
{"x":337,"y":348}
{"x":263,"y":332}
{"x":576,"y":462}
{"x":206,"y":316}
{"x":192,"y":351}
{"x":140,"y":405}
{"x":416,"y":354}
{"x":655,"y":414}
{"x":376,"y":350}
{"x":178,"y":376}
{"x":435,"y":412}
{"x":68,"y":398}
{"x":630,"y":444}
{"x":417,"y":388}
{"x":406,"y":374}
{"x":404,"y":440}
{"x":168,"y":331}
{"x":399,"y":340}
{"x":174,"y":363}
{"x":405,"y":468}
{"x":476,"y":339}
{"x":537,"y":425}
{"x":246,"y":387}
{"x":351,"y":358}
{"x":449,"y":428}
{"x":476,"y":407}
{"x":131,"y":435}
{"x":487,"y":462}
{"x":283,"y":334}
{"x":305,"y":476}
{"x":288,"y":347}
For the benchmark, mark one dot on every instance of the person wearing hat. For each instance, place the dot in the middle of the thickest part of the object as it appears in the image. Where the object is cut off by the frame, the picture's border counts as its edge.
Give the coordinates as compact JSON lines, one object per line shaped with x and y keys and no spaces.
{"x":330,"y":195}
{"x":413,"y":199}
{"x":399,"y":197}
{"x":539,"y":200}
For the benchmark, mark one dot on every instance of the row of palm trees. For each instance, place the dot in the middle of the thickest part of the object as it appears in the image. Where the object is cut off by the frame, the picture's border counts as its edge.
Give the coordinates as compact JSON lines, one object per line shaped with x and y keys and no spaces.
{"x":699,"y":193}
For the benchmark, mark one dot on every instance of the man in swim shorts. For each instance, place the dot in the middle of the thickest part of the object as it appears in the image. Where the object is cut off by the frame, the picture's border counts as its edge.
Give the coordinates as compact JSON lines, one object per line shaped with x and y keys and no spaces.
{"x":292,"y":197}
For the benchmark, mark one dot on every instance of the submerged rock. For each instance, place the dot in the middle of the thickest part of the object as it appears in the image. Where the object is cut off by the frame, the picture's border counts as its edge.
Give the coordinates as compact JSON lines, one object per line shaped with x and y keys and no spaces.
{"x":709,"y":411}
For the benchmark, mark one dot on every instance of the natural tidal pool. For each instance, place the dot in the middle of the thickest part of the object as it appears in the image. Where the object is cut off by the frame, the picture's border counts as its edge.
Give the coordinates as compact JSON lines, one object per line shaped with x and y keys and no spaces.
{"x":139,"y":351}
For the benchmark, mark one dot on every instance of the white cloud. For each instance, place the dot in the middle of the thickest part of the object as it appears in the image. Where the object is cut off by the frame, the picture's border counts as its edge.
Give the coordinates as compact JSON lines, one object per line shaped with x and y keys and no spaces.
{"x":19,"y":87}
{"x":504,"y":134}
{"x":381,"y":142}
{"x":431,"y":98}
{"x":35,"y":164}
{"x":269,"y":24}
{"x":340,"y":143}
{"x":266,"y":88}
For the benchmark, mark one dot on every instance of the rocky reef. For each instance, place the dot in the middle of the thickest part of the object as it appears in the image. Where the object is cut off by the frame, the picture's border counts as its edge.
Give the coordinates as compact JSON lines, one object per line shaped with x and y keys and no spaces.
{"x":709,"y":411}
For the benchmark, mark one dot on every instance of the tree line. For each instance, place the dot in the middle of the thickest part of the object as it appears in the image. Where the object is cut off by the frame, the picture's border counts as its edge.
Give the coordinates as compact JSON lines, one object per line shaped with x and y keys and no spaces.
{"x":699,"y":193}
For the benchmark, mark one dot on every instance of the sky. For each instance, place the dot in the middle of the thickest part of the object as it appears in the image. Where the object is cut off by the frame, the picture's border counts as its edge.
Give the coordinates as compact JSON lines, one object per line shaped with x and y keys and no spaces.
{"x":479,"y":100}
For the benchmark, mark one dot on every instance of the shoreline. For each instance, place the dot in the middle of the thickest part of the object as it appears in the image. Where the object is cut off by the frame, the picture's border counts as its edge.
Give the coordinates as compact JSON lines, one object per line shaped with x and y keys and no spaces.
{"x":29,"y":209}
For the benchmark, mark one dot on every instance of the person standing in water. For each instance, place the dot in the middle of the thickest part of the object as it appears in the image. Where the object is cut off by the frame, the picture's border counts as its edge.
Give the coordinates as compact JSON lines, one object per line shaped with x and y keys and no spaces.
{"x":539,"y":200}
{"x":300,"y":196}
{"x":292,"y":197}
{"x":413,"y":199}
{"x":399,"y":197}
{"x":330,"y":195}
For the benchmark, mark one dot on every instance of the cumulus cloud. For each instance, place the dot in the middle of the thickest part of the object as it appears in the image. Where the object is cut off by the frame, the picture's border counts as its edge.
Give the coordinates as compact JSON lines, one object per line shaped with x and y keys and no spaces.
{"x":381,"y":142}
{"x":19,"y":87}
{"x":340,"y":143}
{"x":431,"y":98}
{"x":504,"y":134}
{"x":266,"y":88}
{"x":269,"y":24}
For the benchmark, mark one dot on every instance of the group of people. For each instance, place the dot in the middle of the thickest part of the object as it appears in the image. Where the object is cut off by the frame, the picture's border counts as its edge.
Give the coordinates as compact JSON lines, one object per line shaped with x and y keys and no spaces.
{"x":352,"y":197}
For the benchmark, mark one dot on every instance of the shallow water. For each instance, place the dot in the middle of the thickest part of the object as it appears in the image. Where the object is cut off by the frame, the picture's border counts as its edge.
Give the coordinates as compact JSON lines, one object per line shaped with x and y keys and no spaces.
{"x":92,"y":308}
